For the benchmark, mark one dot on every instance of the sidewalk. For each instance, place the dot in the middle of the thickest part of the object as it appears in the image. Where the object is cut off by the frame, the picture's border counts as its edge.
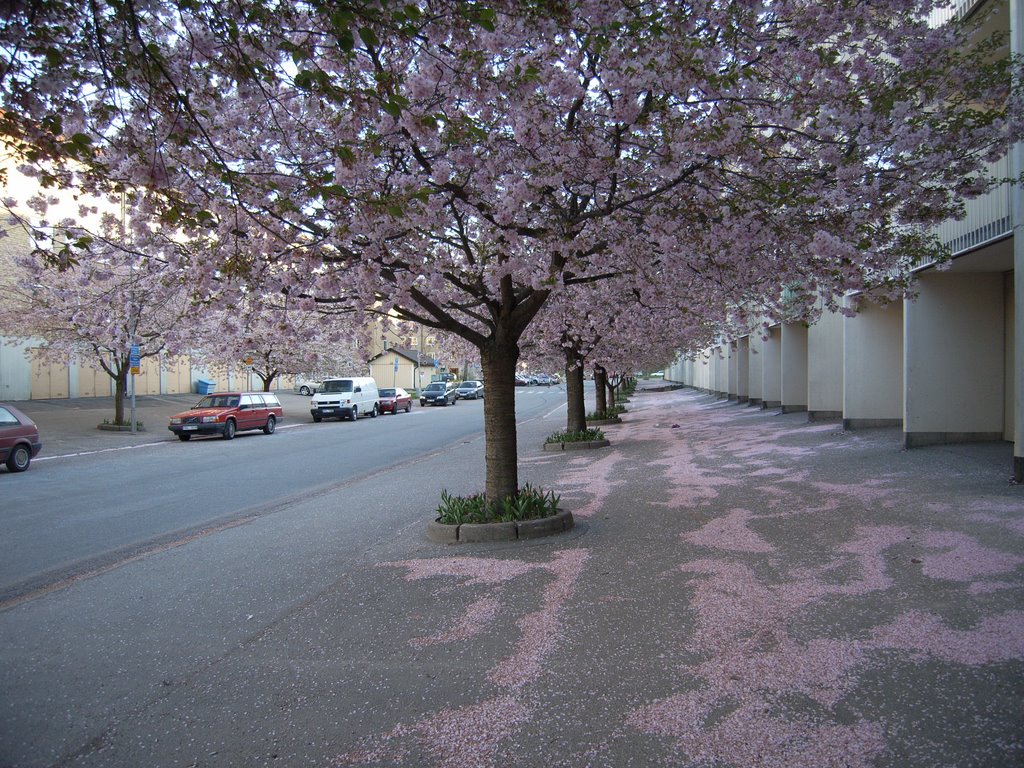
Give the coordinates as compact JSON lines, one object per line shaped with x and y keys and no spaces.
{"x":742,"y":588}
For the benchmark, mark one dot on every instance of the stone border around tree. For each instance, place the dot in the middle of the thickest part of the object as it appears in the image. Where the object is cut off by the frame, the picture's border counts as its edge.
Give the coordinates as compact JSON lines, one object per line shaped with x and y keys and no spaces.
{"x":578,"y":445}
{"x":603,"y":422}
{"x":443,"y":533}
{"x":119,"y":428}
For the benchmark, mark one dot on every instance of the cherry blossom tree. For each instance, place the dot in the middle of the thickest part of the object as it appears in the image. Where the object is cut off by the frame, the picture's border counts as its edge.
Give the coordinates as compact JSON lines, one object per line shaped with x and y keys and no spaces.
{"x":96,"y":304}
{"x":460,"y":164}
{"x":275,"y":335}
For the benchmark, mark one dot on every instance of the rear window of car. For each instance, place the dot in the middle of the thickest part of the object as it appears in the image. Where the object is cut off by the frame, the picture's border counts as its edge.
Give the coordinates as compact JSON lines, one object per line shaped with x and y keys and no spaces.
{"x":271,"y":401}
{"x":8,"y":419}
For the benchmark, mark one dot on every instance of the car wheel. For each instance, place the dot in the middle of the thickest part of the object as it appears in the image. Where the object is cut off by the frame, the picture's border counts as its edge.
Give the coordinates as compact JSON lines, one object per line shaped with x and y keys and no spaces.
{"x":184,"y":437}
{"x":408,"y":407}
{"x":304,"y":391}
{"x":317,"y":418}
{"x":229,"y":429}
{"x":374,"y":412}
{"x":271,"y":426}
{"x":19,"y":458}
{"x":355,"y":413}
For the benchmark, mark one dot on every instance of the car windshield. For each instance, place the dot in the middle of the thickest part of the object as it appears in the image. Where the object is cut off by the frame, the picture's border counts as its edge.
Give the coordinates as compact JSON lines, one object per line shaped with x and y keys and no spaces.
{"x":387,"y":393}
{"x":337,"y":385}
{"x":436,"y":386}
{"x":218,"y":401}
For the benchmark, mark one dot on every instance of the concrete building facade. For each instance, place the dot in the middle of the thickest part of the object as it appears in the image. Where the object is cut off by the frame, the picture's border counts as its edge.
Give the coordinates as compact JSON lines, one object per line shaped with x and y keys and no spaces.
{"x":946,"y":365}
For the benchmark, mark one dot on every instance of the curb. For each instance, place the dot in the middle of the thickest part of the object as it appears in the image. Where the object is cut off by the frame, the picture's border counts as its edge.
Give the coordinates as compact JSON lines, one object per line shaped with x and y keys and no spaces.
{"x":576,"y":446}
{"x":482,"y":532}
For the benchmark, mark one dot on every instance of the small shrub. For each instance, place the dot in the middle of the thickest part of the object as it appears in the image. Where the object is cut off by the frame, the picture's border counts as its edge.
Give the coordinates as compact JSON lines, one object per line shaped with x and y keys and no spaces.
{"x":611,"y":413}
{"x":529,"y":504}
{"x":576,"y":437}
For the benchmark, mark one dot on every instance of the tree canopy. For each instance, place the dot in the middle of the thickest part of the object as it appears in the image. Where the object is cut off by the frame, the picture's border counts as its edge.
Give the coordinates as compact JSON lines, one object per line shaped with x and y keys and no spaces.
{"x":459,"y":163}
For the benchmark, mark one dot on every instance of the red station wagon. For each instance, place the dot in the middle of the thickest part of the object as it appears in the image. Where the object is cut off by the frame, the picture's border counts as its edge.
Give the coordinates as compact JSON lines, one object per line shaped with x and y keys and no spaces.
{"x":395,"y":400}
{"x":224,"y":413}
{"x":19,"y":438}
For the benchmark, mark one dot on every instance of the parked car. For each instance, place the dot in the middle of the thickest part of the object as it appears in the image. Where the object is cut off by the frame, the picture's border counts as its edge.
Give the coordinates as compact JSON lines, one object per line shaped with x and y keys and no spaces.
{"x":305,"y":386}
{"x":19,"y":438}
{"x":470,"y":390}
{"x":438,"y":393}
{"x":345,"y":398}
{"x":544,"y":379}
{"x":395,"y":400}
{"x":225,"y":413}
{"x":521,"y":380}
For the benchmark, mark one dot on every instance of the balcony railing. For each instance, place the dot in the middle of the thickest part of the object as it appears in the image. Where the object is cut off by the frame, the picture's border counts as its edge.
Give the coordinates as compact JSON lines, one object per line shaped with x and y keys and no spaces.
{"x":987,"y":219}
{"x":958,"y":9}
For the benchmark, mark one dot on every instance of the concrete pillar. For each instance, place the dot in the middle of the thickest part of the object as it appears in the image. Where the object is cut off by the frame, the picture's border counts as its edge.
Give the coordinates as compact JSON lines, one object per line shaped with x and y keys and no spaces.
{"x":825,"y":367}
{"x":756,"y":369}
{"x":794,"y":368}
{"x":1017,"y":222}
{"x":873,"y":366}
{"x":771,"y":368}
{"x":1011,"y":379}
{"x":953,"y":346}
{"x":732,"y":357}
{"x":743,"y":370}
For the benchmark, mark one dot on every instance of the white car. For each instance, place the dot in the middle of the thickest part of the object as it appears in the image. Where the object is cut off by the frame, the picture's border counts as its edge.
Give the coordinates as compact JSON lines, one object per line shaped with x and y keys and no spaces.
{"x":345,"y":398}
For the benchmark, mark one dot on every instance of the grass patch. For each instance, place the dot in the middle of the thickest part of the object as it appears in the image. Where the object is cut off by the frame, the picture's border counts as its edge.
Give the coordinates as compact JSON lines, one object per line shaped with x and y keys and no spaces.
{"x":611,"y":413}
{"x":529,"y":504}
{"x":581,"y":436}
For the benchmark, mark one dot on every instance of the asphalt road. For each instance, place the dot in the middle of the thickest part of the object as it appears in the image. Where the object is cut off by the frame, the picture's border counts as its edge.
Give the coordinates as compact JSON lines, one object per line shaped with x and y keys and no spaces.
{"x":81,"y":512}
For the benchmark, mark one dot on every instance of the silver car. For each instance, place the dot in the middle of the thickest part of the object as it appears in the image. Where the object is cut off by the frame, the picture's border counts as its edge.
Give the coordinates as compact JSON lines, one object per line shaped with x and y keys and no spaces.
{"x":306,"y":386}
{"x":470,"y":390}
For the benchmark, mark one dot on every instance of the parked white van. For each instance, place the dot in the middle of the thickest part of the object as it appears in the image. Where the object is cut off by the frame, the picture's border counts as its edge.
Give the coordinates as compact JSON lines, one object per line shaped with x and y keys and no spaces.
{"x":345,"y":398}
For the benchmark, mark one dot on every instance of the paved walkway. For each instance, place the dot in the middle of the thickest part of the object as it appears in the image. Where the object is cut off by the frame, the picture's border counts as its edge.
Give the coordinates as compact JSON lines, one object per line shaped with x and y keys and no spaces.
{"x":742,"y":589}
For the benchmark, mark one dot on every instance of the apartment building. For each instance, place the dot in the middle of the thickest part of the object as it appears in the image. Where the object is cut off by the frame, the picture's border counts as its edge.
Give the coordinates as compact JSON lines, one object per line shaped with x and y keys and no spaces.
{"x":947,"y":366}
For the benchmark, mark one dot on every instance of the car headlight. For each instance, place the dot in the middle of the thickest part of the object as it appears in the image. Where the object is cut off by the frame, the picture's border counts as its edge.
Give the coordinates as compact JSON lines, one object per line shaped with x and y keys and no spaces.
{"x":209,"y":419}
{"x":175,"y":421}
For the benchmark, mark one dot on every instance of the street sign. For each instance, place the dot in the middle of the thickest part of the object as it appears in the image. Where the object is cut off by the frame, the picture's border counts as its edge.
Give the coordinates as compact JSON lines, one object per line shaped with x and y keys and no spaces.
{"x":396,"y":365}
{"x":134,"y":361}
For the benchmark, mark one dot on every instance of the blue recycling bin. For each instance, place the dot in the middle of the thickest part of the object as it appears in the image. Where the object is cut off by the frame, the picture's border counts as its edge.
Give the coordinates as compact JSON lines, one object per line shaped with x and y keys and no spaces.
{"x":205,"y":386}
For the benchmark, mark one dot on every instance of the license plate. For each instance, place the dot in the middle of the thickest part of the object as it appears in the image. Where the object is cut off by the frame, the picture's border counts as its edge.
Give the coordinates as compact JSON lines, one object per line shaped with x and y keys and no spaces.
{"x":189,"y":429}
{"x":327,"y":410}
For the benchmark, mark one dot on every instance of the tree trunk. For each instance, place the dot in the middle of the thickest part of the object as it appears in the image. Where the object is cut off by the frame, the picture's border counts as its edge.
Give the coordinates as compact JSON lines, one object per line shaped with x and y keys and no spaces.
{"x":577,"y":417}
{"x":600,"y":383}
{"x":120,"y":392}
{"x":500,"y":447}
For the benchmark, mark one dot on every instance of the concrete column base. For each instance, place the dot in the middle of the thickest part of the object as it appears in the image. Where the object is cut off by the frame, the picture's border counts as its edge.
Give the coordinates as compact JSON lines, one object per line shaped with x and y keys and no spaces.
{"x":871,"y":423}
{"x":919,"y":439}
{"x":794,"y":408}
{"x":824,"y":415}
